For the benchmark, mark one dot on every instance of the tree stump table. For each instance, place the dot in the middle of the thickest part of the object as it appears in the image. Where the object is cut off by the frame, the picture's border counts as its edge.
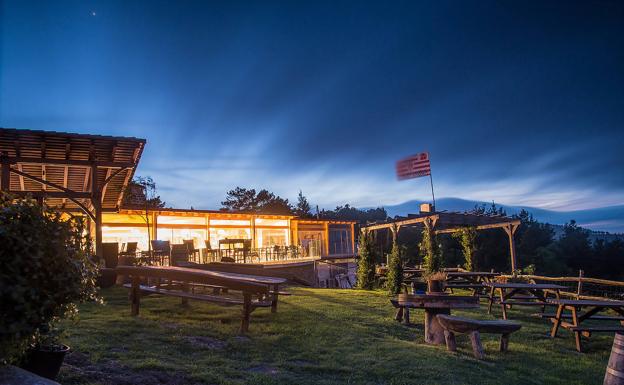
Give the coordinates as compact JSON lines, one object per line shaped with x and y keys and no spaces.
{"x":435,"y":304}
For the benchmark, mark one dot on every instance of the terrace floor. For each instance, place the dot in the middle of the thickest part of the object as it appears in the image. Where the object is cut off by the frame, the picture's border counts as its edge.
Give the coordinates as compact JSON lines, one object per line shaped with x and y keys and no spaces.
{"x":318,"y":336}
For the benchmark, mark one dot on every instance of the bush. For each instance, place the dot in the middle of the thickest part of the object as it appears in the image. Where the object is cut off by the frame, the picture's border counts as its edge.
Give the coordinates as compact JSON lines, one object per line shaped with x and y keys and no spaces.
{"x":366,"y":262}
{"x":395,"y":269}
{"x":45,"y":271}
{"x":431,"y":251}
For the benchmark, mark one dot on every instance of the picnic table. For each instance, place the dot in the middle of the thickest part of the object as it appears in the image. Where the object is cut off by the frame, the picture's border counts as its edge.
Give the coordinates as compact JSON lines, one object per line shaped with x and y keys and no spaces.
{"x":181,"y":280}
{"x":517,"y":293}
{"x":592,"y":308}
{"x":435,"y":304}
{"x":472,"y":280}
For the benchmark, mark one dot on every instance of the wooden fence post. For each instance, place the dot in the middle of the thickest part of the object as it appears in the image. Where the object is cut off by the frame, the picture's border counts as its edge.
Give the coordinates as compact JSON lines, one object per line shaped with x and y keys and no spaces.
{"x":579,"y":288}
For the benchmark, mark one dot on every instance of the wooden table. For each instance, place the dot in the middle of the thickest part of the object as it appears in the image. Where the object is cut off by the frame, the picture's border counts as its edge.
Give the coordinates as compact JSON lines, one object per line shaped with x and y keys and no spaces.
{"x":527,"y":294}
{"x":435,"y":304}
{"x":472,"y":280}
{"x":593,"y":307}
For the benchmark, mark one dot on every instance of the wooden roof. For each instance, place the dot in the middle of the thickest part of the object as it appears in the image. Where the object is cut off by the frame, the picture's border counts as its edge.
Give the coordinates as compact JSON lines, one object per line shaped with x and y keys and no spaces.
{"x":64,"y":161}
{"x":447,"y":222}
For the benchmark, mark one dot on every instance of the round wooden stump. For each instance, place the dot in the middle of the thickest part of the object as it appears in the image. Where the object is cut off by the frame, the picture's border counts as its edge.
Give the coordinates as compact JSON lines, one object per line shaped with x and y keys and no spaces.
{"x":434,"y":332}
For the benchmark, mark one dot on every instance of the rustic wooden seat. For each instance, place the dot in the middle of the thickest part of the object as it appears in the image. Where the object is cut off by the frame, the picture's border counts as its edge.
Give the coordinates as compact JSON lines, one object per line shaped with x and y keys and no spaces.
{"x":453,"y":324}
{"x":568,"y":316}
{"x":179,"y":281}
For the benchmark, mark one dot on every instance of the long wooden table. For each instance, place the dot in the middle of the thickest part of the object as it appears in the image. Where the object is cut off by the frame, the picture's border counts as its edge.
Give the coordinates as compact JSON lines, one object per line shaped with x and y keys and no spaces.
{"x":250,"y":285}
{"x":435,"y":304}
{"x":472,"y":280}
{"x":514,"y":293}
{"x":593,"y":307}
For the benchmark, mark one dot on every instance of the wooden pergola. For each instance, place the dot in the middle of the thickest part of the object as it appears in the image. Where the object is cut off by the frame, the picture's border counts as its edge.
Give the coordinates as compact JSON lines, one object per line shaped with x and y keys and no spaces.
{"x":70,"y":172}
{"x":449,"y":222}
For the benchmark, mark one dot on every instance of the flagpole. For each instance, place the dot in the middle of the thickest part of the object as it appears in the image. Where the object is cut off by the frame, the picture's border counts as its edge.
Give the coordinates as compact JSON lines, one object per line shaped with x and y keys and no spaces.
{"x":432,"y":194}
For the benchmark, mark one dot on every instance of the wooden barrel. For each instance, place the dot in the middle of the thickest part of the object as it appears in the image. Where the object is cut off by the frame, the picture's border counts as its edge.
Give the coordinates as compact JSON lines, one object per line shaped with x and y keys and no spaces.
{"x":615,"y":369}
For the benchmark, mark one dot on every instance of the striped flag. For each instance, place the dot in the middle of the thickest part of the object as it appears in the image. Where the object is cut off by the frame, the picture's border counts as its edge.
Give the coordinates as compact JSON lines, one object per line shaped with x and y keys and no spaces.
{"x":413,"y":166}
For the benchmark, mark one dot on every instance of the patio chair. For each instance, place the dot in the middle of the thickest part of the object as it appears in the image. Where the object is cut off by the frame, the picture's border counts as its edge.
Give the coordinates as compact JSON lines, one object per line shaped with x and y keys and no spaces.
{"x":193,"y":252}
{"x":179,"y":254}
{"x":128,"y":249}
{"x":110,"y":251}
{"x":161,"y":251}
{"x":210,"y":254}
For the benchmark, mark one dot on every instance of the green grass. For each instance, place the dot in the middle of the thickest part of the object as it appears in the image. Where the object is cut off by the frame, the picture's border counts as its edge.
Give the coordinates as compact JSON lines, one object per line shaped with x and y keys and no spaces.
{"x":318,"y":336}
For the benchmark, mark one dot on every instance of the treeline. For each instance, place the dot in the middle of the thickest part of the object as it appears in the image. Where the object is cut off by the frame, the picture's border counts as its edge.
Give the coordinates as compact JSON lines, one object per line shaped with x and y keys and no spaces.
{"x":266,"y":202}
{"x":537,"y":250}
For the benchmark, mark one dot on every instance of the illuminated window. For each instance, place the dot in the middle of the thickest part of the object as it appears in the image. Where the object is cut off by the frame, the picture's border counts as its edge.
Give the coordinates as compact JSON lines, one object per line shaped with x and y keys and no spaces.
{"x":125,"y":235}
{"x":217,"y":234}
{"x":177,"y":236}
{"x":229,"y":222}
{"x":271,"y":222}
{"x":270,"y":237}
{"x":178,"y":220}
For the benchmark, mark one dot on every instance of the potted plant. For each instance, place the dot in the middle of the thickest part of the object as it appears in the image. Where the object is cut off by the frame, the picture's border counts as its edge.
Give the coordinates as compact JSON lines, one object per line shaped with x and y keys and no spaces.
{"x":432,"y":255}
{"x":46,"y":271}
{"x":436,"y":282}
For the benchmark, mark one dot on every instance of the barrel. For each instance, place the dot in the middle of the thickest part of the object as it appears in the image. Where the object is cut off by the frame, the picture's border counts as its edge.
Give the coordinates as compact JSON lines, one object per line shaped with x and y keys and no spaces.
{"x":615,"y":369}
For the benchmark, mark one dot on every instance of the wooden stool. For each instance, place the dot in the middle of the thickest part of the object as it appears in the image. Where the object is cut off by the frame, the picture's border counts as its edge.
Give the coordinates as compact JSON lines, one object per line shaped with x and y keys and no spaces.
{"x":452,"y":325}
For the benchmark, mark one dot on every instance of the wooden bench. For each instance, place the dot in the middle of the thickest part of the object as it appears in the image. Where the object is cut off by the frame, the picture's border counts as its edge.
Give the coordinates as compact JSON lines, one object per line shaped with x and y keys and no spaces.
{"x":453,"y":324}
{"x":180,"y":281}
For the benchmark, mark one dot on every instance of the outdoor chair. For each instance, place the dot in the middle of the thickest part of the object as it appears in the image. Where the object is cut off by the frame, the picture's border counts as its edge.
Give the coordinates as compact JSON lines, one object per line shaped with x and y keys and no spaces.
{"x":210,"y":255}
{"x":193,"y":252}
{"x":129,"y":249}
{"x":110,"y":253}
{"x":179,"y":254}
{"x":161,"y":251}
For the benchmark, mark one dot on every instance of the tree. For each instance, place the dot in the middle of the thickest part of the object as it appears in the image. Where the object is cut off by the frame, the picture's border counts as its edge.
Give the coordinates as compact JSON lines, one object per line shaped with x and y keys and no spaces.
{"x":262,"y":202}
{"x":466,"y":237}
{"x":430,"y":249}
{"x":366,"y":261}
{"x":302,"y":209}
{"x":575,"y":247}
{"x":395,"y":266}
{"x":142,"y":192}
{"x":349,"y":213}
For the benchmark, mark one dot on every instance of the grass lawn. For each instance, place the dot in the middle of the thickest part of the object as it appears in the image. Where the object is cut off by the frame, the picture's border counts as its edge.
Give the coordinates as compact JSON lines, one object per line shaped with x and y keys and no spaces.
{"x":318,"y":336}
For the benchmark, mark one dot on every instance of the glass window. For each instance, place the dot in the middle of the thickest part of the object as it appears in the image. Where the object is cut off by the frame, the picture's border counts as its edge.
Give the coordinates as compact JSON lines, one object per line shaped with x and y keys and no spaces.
{"x":272,"y":237}
{"x":218,"y":234}
{"x":271,"y":222}
{"x":177,"y":236}
{"x":340,"y":240}
{"x":178,"y":220}
{"x":125,"y":235}
{"x":230,"y":222}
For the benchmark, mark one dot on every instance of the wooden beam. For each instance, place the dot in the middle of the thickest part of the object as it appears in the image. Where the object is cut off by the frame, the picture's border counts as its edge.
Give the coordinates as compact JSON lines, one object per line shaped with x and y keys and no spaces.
{"x":5,"y":182}
{"x":21,"y":178}
{"x":510,"y":230}
{"x":68,"y":162}
{"x":68,"y":192}
{"x":515,"y":223}
{"x":53,"y":194}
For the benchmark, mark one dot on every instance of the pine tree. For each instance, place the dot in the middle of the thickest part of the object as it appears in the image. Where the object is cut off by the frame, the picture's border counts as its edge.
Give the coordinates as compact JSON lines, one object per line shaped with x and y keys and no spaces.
{"x":366,"y":262}
{"x":302,"y":209}
{"x":395,"y":267}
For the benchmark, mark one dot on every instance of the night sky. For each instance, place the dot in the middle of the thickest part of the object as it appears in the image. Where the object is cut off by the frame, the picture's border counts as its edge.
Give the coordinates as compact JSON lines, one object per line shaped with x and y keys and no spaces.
{"x":521,"y":102}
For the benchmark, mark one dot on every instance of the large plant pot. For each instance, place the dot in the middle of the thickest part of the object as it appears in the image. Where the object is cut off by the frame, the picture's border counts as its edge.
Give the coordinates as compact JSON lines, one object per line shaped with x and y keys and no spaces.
{"x":45,"y":361}
{"x":435,"y":286}
{"x":106,"y":278}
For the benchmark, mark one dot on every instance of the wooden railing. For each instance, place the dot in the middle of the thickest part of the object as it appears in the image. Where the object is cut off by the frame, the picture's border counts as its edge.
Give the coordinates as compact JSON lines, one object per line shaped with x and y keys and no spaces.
{"x":582,"y":287}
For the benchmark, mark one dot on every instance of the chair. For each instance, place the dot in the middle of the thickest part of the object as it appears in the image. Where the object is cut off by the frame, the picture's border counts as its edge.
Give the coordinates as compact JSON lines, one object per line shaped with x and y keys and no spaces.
{"x":129,"y":249}
{"x":210,"y":255}
{"x":193,"y":252}
{"x":161,"y":250}
{"x":110,"y":252}
{"x":179,"y":254}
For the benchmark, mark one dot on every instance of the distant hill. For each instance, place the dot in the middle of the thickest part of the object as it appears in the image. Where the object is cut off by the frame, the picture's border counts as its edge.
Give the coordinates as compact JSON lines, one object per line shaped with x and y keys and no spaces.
{"x":609,"y":219}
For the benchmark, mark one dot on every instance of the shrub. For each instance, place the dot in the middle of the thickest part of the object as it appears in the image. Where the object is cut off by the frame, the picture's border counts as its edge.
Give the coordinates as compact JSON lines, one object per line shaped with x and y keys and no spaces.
{"x":466,"y":237}
{"x":431,"y":251}
{"x":395,"y":268}
{"x":45,"y":271}
{"x":366,"y":261}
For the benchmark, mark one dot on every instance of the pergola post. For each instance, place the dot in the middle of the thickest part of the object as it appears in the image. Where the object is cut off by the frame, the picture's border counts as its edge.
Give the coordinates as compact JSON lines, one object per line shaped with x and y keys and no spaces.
{"x":510,"y":229}
{"x":96,"y":201}
{"x":5,"y":183}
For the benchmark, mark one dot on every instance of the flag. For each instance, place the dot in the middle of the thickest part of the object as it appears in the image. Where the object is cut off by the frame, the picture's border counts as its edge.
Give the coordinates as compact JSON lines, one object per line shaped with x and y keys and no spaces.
{"x":413,"y":166}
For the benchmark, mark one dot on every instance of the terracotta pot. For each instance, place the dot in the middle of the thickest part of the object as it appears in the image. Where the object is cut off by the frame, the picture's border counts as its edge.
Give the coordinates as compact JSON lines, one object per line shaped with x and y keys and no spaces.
{"x":435,"y":286}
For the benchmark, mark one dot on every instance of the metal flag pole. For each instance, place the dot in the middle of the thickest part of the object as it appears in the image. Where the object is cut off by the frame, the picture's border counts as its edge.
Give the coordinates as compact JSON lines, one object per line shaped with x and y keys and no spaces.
{"x":432,"y":194}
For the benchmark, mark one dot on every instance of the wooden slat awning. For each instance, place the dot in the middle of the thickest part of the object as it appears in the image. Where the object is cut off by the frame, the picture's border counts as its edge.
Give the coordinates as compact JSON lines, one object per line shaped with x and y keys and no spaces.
{"x":446,"y":222}
{"x":56,"y":166}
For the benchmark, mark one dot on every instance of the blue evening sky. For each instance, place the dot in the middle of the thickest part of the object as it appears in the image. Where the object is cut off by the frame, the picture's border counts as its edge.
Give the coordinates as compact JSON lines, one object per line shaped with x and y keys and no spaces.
{"x":521,"y":102}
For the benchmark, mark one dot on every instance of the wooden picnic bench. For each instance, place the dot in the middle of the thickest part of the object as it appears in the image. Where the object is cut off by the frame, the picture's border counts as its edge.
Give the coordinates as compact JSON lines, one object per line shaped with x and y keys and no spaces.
{"x":473,"y":327}
{"x":516,"y":293}
{"x":179,"y":281}
{"x":471,"y":280}
{"x":593,"y":308}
